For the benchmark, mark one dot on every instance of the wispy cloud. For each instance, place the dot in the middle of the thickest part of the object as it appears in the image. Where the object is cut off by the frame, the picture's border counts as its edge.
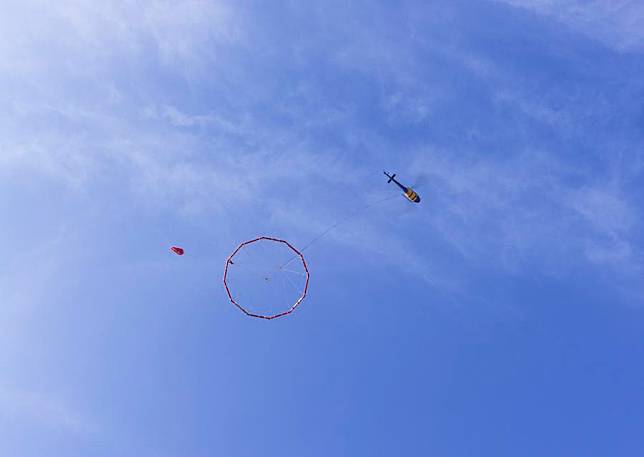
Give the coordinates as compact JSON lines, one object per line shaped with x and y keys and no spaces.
{"x":267,"y":129}
{"x":527,"y":209}
{"x":617,"y":23}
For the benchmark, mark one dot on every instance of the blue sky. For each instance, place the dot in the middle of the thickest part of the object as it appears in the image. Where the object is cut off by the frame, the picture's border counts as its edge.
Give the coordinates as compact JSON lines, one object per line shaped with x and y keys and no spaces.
{"x":503,"y":316}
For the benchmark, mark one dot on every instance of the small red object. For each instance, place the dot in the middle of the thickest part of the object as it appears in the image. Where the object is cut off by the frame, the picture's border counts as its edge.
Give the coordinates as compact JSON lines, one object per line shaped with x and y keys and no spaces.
{"x":177,"y":250}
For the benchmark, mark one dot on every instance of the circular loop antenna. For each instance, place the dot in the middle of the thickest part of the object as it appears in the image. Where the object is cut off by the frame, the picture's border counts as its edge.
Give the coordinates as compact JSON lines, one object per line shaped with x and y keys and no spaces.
{"x":295,"y":256}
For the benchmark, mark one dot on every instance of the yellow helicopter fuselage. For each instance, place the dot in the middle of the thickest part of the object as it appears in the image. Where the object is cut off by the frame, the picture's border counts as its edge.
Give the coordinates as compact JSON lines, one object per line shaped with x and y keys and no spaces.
{"x":411,"y":195}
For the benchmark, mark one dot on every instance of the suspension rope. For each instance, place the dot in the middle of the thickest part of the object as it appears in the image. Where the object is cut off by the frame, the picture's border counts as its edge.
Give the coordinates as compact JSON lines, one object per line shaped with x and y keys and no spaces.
{"x":337,"y":224}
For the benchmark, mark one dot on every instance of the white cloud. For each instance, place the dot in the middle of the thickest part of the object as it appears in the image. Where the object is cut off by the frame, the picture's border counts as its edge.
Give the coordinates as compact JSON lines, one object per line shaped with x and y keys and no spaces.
{"x":524,"y":210}
{"x":618,"y":23}
{"x":185,"y":31}
{"x":74,"y":41}
{"x":604,"y":209}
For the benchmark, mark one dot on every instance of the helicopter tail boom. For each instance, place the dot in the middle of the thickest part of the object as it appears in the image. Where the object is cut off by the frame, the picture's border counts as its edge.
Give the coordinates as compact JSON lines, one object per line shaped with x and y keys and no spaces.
{"x":391,"y":177}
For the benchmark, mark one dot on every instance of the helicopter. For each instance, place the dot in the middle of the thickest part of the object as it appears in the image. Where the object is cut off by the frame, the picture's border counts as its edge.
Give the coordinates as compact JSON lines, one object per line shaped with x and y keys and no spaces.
{"x":408,"y":192}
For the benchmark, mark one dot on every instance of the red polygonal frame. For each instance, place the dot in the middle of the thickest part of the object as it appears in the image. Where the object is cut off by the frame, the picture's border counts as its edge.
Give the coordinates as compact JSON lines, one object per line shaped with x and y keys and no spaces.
{"x":262,"y":316}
